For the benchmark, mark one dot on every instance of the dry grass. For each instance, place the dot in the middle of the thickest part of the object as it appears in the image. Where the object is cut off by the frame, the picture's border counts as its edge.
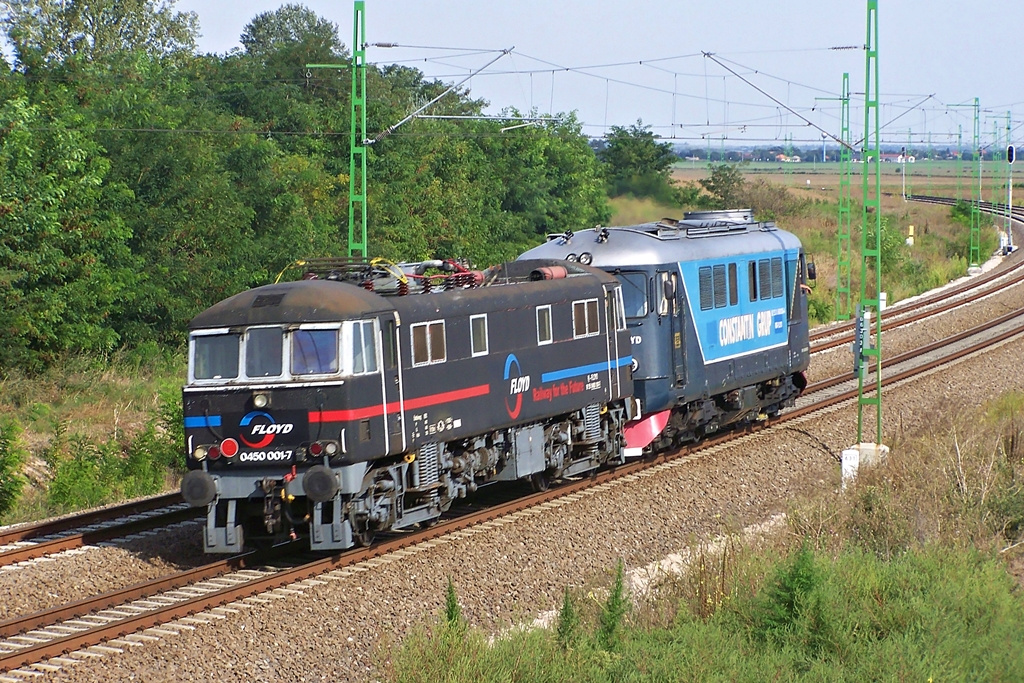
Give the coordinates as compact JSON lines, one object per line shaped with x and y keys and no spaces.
{"x":99,"y":400}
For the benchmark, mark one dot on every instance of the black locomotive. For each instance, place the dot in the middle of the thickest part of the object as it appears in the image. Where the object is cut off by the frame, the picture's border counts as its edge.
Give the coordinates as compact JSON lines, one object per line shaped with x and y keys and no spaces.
{"x":370,"y":397}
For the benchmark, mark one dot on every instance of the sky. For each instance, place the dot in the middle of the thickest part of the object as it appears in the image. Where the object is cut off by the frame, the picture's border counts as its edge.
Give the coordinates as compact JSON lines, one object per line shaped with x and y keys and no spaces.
{"x":729,"y":72}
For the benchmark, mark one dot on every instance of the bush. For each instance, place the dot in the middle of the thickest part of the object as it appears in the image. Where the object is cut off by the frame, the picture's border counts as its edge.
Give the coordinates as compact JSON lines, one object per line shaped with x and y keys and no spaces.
{"x":12,"y":457}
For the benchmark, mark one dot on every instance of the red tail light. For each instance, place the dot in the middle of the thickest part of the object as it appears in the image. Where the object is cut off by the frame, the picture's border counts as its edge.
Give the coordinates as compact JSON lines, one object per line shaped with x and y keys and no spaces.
{"x":214,"y":453}
{"x":316,"y":448}
{"x":229,"y":448}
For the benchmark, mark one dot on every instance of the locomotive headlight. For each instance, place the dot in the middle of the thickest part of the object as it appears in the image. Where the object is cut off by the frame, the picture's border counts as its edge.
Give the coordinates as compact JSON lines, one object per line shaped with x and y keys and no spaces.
{"x":331,"y":448}
{"x":199,"y":453}
{"x":261,"y":400}
{"x":586,"y":258}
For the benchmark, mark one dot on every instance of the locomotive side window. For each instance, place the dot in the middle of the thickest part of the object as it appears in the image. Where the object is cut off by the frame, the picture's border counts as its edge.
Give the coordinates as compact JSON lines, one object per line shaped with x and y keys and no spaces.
{"x":620,"y":315}
{"x":764,"y":279}
{"x":777,"y":285}
{"x":543,"y":325}
{"x":752,"y":279}
{"x":215,"y":356}
{"x":390,"y":348}
{"x":733,"y":289}
{"x":707,"y":297}
{"x":719,"y":286}
{"x":314,"y":352}
{"x":634,"y":294}
{"x":364,"y":348}
{"x":263,"y":351}
{"x":585,"y":320}
{"x":428,"y":345}
{"x":478,"y":334}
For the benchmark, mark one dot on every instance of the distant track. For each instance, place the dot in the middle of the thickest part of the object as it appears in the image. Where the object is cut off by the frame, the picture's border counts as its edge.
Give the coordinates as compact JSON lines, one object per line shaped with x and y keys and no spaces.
{"x":26,"y":542}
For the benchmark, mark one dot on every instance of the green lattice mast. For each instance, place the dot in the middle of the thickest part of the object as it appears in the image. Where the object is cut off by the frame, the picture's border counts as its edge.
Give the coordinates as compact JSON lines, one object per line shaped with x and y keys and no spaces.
{"x":843,"y":304}
{"x":975,"y":256}
{"x":871,"y":238}
{"x":357,"y":139}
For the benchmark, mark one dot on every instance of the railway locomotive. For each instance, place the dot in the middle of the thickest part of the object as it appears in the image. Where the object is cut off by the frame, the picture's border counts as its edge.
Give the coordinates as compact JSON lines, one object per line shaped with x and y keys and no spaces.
{"x":716,"y":308}
{"x":368,"y":398}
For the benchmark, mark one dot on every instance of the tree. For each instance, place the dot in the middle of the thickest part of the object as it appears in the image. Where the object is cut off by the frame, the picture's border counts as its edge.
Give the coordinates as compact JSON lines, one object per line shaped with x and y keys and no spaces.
{"x":289,"y":27}
{"x":636,"y":163}
{"x":64,"y":262}
{"x":725,"y":184}
{"x":48,"y":31}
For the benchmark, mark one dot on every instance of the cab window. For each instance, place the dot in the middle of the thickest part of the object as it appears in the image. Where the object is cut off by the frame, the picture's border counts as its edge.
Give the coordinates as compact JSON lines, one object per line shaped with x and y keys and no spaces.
{"x":263,"y":351}
{"x":634,"y":294}
{"x":215,"y":356}
{"x":314,"y":352}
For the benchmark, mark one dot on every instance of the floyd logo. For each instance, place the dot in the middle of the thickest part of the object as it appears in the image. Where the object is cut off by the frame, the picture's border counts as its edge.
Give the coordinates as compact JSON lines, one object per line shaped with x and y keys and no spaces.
{"x":259,"y":429}
{"x":518,"y":384}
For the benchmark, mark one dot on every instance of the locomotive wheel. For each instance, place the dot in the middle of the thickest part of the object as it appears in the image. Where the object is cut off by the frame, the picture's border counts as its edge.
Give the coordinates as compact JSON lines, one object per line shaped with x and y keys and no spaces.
{"x":540,"y":481}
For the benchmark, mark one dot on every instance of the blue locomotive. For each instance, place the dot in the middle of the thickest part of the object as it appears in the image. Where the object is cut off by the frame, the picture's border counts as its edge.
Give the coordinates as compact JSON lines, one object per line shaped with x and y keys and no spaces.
{"x":369,"y":397}
{"x":716,"y":308}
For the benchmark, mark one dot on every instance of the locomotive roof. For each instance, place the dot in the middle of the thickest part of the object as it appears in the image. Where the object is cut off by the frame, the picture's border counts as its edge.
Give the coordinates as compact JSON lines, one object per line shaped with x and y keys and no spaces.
{"x":289,"y":302}
{"x":703,"y":235}
{"x":327,"y":300}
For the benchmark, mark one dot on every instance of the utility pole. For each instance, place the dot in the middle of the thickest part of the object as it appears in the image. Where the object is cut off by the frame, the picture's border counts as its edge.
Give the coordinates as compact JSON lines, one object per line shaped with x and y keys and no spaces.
{"x":975,"y":255}
{"x":843,"y":306}
{"x":357,"y":133}
{"x":871,"y":240}
{"x":1011,"y":152}
{"x":357,"y":137}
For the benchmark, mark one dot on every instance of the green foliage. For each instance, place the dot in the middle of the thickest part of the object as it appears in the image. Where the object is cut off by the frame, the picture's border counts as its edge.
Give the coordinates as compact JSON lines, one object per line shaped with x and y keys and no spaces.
{"x":12,"y":457}
{"x":143,"y":183}
{"x":613,"y":612}
{"x":568,"y":629}
{"x":767,"y":200}
{"x":64,"y":265}
{"x":43,"y":31}
{"x":637,"y":164}
{"x":453,"y":619}
{"x":87,"y":473}
{"x":789,"y":609}
{"x":933,"y":613}
{"x":725,"y":184}
{"x":893,"y":248}
{"x":819,"y":310}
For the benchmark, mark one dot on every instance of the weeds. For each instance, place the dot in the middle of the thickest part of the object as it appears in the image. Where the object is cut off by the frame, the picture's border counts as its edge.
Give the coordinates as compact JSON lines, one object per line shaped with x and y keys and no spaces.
{"x":899,"y":579}
{"x":609,"y":635}
{"x":12,"y":457}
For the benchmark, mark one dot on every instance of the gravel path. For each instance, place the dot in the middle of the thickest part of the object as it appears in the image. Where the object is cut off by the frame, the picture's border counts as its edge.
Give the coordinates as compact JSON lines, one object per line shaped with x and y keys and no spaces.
{"x":510,"y":572}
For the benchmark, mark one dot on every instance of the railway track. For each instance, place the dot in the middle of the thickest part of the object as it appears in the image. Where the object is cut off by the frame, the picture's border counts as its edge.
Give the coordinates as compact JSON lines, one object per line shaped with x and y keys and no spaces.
{"x":127,"y":618}
{"x":30,"y":541}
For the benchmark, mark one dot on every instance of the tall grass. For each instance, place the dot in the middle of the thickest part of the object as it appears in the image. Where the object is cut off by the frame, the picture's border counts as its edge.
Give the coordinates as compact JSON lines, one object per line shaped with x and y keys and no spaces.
{"x":89,"y":431}
{"x":907,"y":576}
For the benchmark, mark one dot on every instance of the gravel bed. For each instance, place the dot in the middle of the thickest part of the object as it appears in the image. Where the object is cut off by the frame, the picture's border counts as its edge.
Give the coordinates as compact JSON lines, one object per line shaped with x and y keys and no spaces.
{"x":337,"y":631}
{"x":54,"y":581}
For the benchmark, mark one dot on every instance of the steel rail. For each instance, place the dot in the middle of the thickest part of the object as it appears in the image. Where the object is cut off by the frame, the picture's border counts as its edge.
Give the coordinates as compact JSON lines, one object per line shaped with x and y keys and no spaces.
{"x":22,"y":553}
{"x":24,"y":532}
